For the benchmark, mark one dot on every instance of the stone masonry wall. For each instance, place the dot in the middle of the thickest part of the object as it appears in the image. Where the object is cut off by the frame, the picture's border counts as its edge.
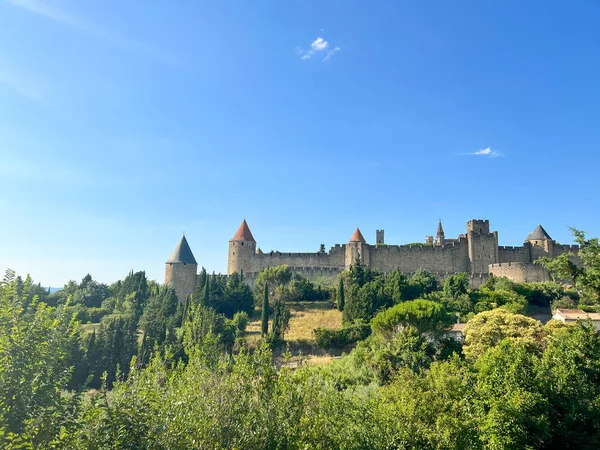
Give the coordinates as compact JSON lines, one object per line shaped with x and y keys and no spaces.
{"x":521,"y":272}
{"x":182,"y":278}
{"x":335,"y":258}
{"x":450,"y":258}
{"x":514,"y":254}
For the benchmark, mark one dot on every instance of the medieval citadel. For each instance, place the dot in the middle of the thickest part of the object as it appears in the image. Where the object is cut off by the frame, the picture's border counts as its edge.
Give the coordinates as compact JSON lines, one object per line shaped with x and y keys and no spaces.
{"x":476,"y":252}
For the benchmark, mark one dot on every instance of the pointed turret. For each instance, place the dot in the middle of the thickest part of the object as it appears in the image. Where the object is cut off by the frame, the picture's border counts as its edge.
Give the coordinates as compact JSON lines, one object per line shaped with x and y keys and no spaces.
{"x":181,"y":270}
{"x":440,"y":234}
{"x":357,"y":247}
{"x":182,"y":253}
{"x":243,"y":233}
{"x":539,"y":234}
{"x":357,"y":237}
{"x":242,"y":251}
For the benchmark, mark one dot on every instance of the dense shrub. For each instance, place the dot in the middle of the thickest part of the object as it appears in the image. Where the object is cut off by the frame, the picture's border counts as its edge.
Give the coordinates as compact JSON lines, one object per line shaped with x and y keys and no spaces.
{"x":94,"y":315}
{"x":337,"y":338}
{"x":240,"y":320}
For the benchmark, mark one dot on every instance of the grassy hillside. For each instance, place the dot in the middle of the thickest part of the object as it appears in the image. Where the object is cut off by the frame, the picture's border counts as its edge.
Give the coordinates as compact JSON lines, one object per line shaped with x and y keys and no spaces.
{"x":305,"y":317}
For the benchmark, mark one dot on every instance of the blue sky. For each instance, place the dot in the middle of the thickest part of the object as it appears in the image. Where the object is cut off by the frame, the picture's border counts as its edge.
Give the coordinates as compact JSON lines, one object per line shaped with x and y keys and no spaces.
{"x":124,"y":123}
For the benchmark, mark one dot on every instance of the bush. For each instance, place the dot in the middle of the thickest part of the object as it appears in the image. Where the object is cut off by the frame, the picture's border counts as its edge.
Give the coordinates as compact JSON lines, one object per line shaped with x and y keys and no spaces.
{"x":240,"y":320}
{"x":327,"y":338}
{"x":94,"y":315}
{"x":426,"y":316}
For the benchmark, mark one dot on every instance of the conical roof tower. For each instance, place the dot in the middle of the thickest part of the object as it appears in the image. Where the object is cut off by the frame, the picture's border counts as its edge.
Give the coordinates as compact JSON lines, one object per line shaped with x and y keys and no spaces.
{"x":182,"y":253}
{"x":243,"y":233}
{"x":357,"y":237}
{"x":539,"y":234}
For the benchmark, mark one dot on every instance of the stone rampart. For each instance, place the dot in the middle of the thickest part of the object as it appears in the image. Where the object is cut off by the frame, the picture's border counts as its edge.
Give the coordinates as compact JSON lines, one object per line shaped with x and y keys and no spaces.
{"x":334,"y":259}
{"x":521,"y":272}
{"x":451,"y":258}
{"x":514,"y":254}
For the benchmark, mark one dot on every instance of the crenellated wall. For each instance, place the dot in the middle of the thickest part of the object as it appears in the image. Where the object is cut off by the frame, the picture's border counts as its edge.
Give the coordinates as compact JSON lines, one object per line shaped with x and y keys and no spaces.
{"x":476,"y":253}
{"x":514,"y":254}
{"x":521,"y":272}
{"x":334,"y":258}
{"x":408,"y":258}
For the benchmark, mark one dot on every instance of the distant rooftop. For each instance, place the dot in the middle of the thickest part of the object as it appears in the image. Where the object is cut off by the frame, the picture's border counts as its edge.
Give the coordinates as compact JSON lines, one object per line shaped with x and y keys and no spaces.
{"x":182,"y":253}
{"x":576,"y":314}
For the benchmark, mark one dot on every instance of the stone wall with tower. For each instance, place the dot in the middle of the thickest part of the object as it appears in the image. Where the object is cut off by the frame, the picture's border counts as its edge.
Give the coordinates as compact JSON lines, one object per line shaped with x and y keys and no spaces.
{"x":476,"y":252}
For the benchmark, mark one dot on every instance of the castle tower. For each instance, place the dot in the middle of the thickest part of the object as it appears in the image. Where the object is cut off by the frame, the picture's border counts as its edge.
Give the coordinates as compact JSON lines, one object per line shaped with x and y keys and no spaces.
{"x":242,"y":249}
{"x":540,"y":240}
{"x":357,"y":247}
{"x":439,"y":240}
{"x":181,"y":270}
{"x":483,"y":246}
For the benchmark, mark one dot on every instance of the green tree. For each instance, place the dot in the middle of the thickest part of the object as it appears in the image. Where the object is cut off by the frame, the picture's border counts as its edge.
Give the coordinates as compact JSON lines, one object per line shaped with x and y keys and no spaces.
{"x":272,"y":277}
{"x":206,"y":294}
{"x":513,"y":413}
{"x":569,"y":374}
{"x":265,"y":310}
{"x":237,"y":296}
{"x":587,"y":278}
{"x":35,"y":352}
{"x":160,"y":319}
{"x":485,"y":330}
{"x":420,"y":283}
{"x":341,"y":295}
{"x":396,"y":284}
{"x":455,"y":286}
{"x":426,"y":316}
{"x":281,"y":320}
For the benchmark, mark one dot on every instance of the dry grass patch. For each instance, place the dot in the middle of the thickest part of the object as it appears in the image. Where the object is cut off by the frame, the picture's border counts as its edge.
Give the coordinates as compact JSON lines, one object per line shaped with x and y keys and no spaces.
{"x":306,"y":316}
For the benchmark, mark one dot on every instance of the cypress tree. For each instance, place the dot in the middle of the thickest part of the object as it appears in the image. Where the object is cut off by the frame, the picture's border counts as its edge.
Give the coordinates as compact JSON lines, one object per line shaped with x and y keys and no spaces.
{"x":341,"y":298}
{"x":206,"y":300}
{"x":265,"y":311}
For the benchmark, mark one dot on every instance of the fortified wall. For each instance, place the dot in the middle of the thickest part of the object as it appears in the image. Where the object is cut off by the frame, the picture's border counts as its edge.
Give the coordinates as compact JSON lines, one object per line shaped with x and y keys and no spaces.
{"x":519,"y":271}
{"x":476,"y":252}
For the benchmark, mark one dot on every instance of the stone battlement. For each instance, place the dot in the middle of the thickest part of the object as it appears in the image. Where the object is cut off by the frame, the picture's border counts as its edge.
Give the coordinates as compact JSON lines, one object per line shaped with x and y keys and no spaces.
{"x":475,"y":252}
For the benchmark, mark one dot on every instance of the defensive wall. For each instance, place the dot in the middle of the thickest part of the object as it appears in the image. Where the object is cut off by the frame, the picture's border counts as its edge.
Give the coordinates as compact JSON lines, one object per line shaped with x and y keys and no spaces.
{"x":335,"y":258}
{"x":521,"y":272}
{"x":476,"y":253}
{"x":450,"y":258}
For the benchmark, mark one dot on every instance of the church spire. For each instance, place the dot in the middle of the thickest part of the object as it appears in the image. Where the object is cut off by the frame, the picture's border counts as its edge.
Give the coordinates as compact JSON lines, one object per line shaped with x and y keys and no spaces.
{"x":440,"y":234}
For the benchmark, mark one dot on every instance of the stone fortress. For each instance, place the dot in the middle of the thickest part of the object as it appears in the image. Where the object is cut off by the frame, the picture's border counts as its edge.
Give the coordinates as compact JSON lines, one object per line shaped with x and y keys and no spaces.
{"x":476,"y":252}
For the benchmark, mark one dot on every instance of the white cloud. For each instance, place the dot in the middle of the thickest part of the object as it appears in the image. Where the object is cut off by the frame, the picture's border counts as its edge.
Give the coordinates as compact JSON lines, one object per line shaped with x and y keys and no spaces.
{"x":57,"y":15}
{"x":330,"y":53}
{"x":318,"y":45}
{"x":487,"y":152}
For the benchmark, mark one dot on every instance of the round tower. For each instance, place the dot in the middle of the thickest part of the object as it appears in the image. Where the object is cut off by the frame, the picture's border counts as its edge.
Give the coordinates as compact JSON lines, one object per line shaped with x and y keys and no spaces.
{"x":357,"y":247}
{"x":242,"y":250}
{"x":181,"y":270}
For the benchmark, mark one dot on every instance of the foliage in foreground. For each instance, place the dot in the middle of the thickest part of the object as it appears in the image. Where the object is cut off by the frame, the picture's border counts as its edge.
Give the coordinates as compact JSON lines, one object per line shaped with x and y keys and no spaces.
{"x":512,"y":396}
{"x":404,"y":387}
